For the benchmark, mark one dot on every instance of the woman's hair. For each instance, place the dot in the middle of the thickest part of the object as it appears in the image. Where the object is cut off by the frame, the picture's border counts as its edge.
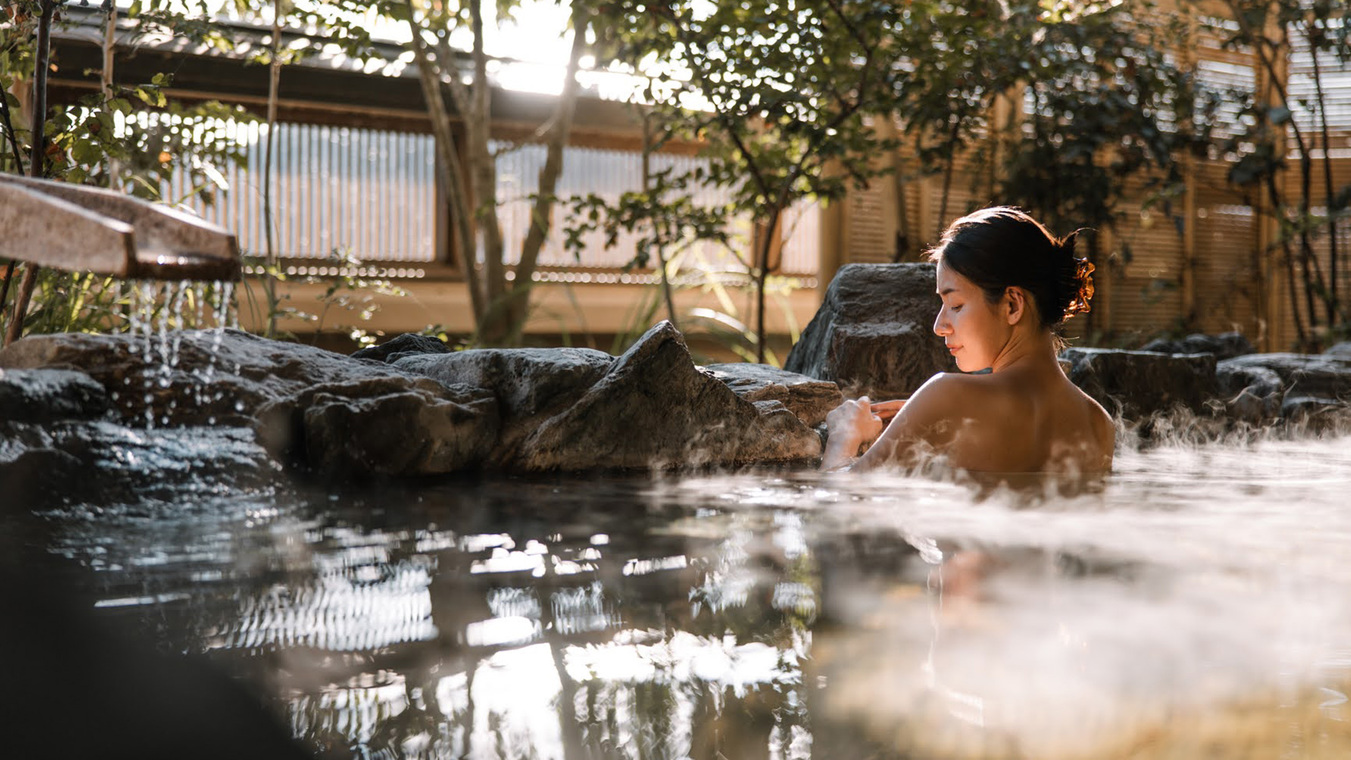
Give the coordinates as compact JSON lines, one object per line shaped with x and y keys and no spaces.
{"x":1001,"y":247}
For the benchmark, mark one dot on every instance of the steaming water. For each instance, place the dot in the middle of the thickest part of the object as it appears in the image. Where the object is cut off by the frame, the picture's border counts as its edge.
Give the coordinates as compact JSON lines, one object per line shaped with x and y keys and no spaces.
{"x":1199,"y":606}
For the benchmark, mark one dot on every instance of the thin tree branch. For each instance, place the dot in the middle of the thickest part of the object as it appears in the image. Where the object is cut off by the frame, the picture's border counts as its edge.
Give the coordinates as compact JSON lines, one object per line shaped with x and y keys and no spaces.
{"x":450,"y":176}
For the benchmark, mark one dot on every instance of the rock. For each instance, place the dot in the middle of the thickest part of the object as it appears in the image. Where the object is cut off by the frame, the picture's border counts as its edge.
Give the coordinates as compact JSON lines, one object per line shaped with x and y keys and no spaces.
{"x":1302,"y":408}
{"x":527,"y":381}
{"x":405,"y":424}
{"x":530,"y":384}
{"x":810,"y":399}
{"x":193,"y":377}
{"x":408,"y":344}
{"x":1312,"y":375}
{"x":1137,"y":384}
{"x":384,"y":427}
{"x":47,"y":395}
{"x":35,"y":477}
{"x":1339,"y":350}
{"x":1250,"y":394}
{"x":873,"y":333}
{"x":103,"y":462}
{"x":431,"y":413}
{"x":654,"y":409}
{"x":1223,"y":346}
{"x":1315,"y":415}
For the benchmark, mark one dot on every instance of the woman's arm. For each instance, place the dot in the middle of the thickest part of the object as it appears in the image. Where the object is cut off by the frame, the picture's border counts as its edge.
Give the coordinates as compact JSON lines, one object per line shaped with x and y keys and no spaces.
{"x":925,"y":418}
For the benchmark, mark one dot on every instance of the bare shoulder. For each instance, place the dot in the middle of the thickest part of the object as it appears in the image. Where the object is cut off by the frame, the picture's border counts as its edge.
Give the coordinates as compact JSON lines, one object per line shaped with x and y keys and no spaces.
{"x":949,"y":397}
{"x":1104,"y":428}
{"x":944,"y":394}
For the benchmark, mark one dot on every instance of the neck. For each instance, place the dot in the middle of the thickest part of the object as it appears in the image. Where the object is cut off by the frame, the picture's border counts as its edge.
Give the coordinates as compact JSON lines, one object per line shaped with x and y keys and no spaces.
{"x":1026,"y":348}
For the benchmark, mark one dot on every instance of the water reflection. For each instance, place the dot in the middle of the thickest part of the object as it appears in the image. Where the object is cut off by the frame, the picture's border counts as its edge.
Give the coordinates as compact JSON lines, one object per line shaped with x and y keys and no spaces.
{"x":1197,"y":602}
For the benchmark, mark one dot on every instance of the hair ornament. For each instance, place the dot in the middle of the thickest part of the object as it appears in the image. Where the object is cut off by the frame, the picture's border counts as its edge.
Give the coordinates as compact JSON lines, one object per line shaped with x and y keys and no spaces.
{"x":1083,"y":289}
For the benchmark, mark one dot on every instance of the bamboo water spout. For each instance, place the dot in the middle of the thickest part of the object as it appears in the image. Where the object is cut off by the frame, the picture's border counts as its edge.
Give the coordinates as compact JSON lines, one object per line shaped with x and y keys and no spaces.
{"x":88,"y":229}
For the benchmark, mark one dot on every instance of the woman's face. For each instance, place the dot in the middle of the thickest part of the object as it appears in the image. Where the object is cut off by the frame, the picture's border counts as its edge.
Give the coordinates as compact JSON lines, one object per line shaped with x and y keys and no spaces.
{"x":974,"y":330}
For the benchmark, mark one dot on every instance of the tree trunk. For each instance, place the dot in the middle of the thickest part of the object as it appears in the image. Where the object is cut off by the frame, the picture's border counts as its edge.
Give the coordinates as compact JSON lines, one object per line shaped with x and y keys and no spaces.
{"x":659,"y":226}
{"x":493,"y":328}
{"x":766,"y":244}
{"x":449,"y":175}
{"x":1333,"y":300}
{"x":541,"y":213}
{"x":106,"y":79}
{"x":270,"y":234}
{"x":37,"y":163}
{"x":1276,"y":204}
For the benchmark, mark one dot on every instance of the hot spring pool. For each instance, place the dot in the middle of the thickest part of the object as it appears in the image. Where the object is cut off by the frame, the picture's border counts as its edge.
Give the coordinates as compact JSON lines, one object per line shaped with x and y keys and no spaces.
{"x":1199,"y":606}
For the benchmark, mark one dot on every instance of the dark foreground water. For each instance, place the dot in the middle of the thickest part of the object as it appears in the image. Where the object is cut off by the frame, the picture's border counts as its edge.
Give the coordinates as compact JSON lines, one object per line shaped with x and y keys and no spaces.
{"x":1199,"y":607}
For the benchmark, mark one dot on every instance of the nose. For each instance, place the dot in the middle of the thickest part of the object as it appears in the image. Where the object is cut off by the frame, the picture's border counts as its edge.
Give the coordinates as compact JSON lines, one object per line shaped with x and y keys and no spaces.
{"x":942,"y":328}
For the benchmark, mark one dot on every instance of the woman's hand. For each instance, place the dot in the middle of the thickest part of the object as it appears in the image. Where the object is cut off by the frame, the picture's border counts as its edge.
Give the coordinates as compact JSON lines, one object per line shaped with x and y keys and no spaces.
{"x":855,"y":420}
{"x":849,"y":426}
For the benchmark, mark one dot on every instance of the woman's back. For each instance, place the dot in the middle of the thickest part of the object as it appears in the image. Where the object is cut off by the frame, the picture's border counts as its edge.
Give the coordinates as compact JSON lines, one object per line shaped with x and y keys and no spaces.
{"x":1023,"y":420}
{"x":1019,"y":422}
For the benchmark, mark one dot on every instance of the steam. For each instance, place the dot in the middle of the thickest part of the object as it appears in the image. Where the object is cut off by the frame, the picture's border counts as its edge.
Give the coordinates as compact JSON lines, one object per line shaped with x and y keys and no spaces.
{"x":1203,"y":587}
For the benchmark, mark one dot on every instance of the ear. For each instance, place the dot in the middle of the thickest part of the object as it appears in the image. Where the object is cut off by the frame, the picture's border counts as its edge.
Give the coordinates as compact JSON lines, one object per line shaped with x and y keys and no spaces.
{"x":1015,"y":300}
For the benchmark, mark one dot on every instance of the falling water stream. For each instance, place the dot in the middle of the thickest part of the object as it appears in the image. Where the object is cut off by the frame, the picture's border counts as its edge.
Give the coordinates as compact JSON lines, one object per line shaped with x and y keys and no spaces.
{"x":1200,"y":605}
{"x":158,"y":315}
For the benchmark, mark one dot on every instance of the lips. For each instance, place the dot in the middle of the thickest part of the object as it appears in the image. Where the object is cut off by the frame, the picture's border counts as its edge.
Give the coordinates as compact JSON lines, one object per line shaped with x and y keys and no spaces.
{"x":954,"y":349}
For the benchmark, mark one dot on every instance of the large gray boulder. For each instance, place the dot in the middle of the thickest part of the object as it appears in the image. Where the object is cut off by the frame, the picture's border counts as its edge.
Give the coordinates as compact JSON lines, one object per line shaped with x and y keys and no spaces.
{"x":59,"y":446}
{"x":1310,"y":389}
{"x":47,"y":395}
{"x":398,"y":420}
{"x":1223,"y":346}
{"x":529,"y":385}
{"x":427,"y":413}
{"x":1340,"y":350}
{"x":1138,"y":384}
{"x":808,"y":398}
{"x":874,"y":331}
{"x":386,"y":426}
{"x":193,"y":376}
{"x":1311,"y":375}
{"x":654,"y":409}
{"x":1251,"y":394}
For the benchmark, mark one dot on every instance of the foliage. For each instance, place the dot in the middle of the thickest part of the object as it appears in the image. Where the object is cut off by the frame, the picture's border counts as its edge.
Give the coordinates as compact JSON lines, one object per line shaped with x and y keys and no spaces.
{"x":459,"y":82}
{"x":662,"y":215}
{"x":1106,"y":105}
{"x":129,"y":138}
{"x":1274,"y":123}
{"x":1103,"y":100}
{"x":352,"y":294}
{"x":950,"y":64}
{"x":349,"y":294}
{"x":785,"y":93}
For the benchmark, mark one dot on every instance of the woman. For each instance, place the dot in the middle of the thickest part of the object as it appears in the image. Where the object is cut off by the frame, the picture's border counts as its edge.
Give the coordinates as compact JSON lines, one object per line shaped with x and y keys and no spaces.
{"x":1006,"y":285}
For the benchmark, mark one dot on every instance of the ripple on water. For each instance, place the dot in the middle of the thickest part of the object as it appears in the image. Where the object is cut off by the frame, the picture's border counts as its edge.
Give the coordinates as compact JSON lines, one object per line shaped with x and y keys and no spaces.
{"x":1195,"y":605}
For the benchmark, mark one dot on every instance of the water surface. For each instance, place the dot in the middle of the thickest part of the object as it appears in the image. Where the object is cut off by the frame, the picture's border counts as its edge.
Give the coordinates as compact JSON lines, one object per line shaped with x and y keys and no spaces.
{"x":1197,"y":606}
